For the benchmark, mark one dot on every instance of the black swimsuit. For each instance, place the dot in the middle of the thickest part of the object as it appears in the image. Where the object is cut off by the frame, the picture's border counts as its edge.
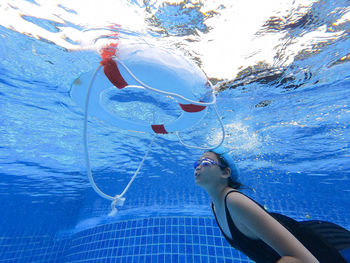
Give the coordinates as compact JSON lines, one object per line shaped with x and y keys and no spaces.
{"x":323,"y":239}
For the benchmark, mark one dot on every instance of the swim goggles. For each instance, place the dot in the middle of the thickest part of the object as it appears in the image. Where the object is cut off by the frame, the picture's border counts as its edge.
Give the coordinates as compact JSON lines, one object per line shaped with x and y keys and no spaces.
{"x":207,"y":162}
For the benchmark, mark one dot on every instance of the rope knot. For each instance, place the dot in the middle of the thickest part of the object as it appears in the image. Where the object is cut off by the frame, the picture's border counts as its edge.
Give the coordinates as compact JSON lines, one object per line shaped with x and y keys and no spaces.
{"x":117,"y":201}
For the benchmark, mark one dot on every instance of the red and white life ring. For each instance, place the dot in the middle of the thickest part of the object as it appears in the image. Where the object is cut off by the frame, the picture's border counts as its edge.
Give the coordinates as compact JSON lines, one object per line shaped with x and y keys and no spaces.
{"x":152,"y":68}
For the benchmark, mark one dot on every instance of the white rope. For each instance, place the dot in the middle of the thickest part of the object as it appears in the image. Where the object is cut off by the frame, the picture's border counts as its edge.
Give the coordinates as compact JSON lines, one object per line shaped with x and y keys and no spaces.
{"x":117,"y":200}
{"x":166,"y":92}
{"x":207,"y":148}
{"x":87,"y":158}
{"x":138,"y":169}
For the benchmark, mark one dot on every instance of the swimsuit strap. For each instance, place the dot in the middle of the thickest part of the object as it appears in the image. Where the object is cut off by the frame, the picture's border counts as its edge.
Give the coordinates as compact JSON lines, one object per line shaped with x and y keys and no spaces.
{"x":230,"y":223}
{"x":217,"y":221}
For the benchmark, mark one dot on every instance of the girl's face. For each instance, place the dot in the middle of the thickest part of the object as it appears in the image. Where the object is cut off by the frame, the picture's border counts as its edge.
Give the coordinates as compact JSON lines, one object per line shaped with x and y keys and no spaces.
{"x":207,"y":172}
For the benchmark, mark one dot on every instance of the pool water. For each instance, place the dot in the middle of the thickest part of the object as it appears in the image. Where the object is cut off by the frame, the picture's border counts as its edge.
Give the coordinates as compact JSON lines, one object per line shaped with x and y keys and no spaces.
{"x":282,"y":85}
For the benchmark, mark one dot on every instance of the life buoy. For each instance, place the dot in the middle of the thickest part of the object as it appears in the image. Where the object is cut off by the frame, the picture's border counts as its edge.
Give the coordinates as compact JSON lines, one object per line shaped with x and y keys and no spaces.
{"x":152,"y":68}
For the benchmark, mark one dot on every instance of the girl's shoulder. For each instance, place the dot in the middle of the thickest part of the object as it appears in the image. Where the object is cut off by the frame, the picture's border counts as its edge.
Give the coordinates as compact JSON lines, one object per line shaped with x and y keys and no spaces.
{"x":237,"y":198}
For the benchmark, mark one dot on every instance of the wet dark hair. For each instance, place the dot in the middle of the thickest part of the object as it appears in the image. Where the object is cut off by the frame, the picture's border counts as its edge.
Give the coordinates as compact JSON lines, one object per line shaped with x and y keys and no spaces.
{"x":230,"y":182}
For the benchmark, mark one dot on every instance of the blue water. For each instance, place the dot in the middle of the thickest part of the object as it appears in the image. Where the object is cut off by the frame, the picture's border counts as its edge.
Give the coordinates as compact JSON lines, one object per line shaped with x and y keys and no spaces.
{"x":283,"y":90}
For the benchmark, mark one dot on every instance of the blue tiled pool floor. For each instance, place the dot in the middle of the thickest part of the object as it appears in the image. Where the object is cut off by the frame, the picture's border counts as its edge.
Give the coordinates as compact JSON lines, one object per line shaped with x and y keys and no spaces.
{"x":32,"y":249}
{"x":163,"y":239}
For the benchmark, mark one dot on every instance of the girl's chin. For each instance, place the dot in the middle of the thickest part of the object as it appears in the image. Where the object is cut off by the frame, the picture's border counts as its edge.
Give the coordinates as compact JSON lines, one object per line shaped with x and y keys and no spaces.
{"x":198,"y":182}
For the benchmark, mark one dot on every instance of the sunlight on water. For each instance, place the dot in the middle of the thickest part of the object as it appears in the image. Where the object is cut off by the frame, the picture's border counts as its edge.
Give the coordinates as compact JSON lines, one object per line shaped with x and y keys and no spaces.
{"x":224,"y":37}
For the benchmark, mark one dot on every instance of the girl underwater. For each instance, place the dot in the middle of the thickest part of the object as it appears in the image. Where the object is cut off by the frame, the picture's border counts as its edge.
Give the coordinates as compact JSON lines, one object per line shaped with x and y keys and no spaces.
{"x":263,"y":236}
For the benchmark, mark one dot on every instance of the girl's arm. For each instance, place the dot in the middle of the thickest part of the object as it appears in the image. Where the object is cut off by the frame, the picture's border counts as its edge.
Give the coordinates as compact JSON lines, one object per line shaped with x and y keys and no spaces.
{"x":265,"y":227}
{"x":288,"y":259}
